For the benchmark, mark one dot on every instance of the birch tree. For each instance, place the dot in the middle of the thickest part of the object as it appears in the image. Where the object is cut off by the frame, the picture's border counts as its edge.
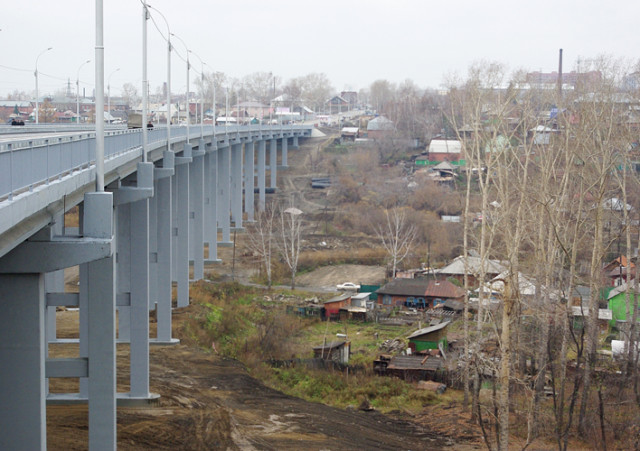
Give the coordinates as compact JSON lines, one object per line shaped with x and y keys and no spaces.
{"x":261,"y":237}
{"x":290,"y":231}
{"x":396,"y":235}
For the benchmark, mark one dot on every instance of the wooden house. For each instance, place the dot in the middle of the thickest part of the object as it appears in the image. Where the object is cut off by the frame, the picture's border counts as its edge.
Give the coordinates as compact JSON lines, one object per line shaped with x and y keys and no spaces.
{"x":439,"y":291}
{"x":403,"y":293}
{"x":429,"y":337}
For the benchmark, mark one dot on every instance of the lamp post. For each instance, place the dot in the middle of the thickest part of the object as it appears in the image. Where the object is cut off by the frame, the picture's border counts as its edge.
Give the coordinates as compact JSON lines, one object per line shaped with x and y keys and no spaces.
{"x":109,"y":93}
{"x":78,"y":90}
{"x":187,"y":112}
{"x":168,"y":77}
{"x":201,"y":94}
{"x":36,"y":75}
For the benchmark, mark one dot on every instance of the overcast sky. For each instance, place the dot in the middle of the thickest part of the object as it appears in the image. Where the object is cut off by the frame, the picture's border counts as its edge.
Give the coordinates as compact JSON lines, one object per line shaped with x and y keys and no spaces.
{"x":354,"y":42}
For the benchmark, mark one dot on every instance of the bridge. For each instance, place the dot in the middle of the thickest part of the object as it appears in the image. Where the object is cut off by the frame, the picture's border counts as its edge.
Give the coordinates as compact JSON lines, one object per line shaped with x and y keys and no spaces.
{"x":168,"y":192}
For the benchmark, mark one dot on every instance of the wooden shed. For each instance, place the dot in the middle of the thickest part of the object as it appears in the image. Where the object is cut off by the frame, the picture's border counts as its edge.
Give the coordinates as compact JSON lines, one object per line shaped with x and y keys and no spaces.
{"x":429,"y":337}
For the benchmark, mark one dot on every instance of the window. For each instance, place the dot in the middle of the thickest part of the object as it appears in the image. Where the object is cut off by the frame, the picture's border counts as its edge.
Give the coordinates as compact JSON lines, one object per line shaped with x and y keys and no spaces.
{"x":386,"y":299}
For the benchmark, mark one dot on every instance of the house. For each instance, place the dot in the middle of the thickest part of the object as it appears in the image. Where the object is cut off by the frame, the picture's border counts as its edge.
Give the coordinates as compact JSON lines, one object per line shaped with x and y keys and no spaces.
{"x":445,"y":150}
{"x":337,"y":351}
{"x":431,"y":337}
{"x":337,"y":105}
{"x":253,"y":109}
{"x":456,"y":269}
{"x":617,"y":302}
{"x":380,"y":128}
{"x":615,"y":272}
{"x":403,"y":293}
{"x":440,"y":291}
{"x":331,"y":308}
{"x":350,"y":96}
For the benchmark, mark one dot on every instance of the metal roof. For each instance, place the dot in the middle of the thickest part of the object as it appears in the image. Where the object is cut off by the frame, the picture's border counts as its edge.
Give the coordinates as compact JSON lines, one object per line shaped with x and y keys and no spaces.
{"x":428,"y":330}
{"x":404,"y":287}
{"x":414,"y":363}
{"x":342,"y":297}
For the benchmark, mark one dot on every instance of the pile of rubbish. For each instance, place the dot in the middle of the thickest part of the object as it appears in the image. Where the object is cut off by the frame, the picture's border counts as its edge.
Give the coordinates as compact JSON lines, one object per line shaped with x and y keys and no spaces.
{"x":394,"y":345}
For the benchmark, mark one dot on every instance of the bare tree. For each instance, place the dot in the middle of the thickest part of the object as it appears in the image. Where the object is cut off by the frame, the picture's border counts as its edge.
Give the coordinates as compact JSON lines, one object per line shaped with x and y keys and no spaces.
{"x":290,"y":230}
{"x":130,"y":95}
{"x":261,"y":236}
{"x":396,"y":235}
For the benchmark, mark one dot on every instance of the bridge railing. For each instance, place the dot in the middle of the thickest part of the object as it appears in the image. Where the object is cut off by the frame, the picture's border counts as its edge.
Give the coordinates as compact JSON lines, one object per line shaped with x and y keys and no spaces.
{"x":25,"y":163}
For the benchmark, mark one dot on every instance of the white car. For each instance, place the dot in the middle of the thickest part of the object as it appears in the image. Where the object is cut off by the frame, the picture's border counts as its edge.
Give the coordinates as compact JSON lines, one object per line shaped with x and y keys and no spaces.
{"x":348,"y":286}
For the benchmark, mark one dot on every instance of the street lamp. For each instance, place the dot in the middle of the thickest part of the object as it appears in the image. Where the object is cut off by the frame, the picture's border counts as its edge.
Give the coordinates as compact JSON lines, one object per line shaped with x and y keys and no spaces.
{"x":168,"y":77}
{"x":109,"y":93}
{"x":78,"y":90}
{"x":201,"y":94}
{"x":36,"y":75}
{"x":187,"y":113}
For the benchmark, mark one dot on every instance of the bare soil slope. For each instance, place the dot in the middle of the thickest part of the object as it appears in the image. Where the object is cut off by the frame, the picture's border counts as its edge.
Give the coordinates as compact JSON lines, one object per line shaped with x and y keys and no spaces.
{"x":330,"y":276}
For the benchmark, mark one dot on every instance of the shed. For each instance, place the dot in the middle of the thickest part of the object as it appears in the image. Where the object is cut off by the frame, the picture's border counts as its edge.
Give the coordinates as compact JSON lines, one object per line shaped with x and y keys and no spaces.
{"x":338,"y":351}
{"x":409,"y":368}
{"x":331,"y":309}
{"x":360,"y":299}
{"x":349,"y":133}
{"x":429,"y":337}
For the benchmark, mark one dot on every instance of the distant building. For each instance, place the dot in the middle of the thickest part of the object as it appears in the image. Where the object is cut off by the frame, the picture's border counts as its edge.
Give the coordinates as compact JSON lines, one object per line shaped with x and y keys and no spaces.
{"x":379,"y":128}
{"x":445,"y":150}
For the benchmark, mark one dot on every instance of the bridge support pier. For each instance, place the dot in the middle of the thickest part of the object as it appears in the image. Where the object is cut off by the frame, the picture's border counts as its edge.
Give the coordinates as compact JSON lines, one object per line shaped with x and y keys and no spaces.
{"x":163,"y":200}
{"x":196,"y":211}
{"x":262,"y":146}
{"x":211,"y":216}
{"x":132,"y":211}
{"x":249,"y":179}
{"x":285,"y":152}
{"x":273,"y":162}
{"x":181,"y":234}
{"x":223,"y":199}
{"x":236,"y":185}
{"x":295,"y":144}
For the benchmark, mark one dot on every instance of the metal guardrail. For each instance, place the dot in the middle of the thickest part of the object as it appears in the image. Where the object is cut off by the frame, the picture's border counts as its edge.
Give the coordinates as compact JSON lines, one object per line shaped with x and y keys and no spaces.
{"x":25,"y":163}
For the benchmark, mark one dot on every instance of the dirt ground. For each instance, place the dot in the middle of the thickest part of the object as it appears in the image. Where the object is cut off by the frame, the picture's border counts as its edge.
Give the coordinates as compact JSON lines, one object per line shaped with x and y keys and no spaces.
{"x":207,"y":402}
{"x":330,"y":276}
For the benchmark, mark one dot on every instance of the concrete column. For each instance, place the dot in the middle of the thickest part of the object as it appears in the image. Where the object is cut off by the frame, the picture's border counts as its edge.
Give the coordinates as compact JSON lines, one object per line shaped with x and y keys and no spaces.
{"x":123,"y":268}
{"x":182,"y":223}
{"x":273,"y":162}
{"x":164,"y":235}
{"x":223,"y":197}
{"x":295,"y":144}
{"x":139,"y":288}
{"x":262,"y":145}
{"x":153,"y":246}
{"x":249,"y":179}
{"x":98,"y":223}
{"x":236,"y":185}
{"x":196,"y":179}
{"x":22,"y":369}
{"x":284,"y":152}
{"x":211,"y":216}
